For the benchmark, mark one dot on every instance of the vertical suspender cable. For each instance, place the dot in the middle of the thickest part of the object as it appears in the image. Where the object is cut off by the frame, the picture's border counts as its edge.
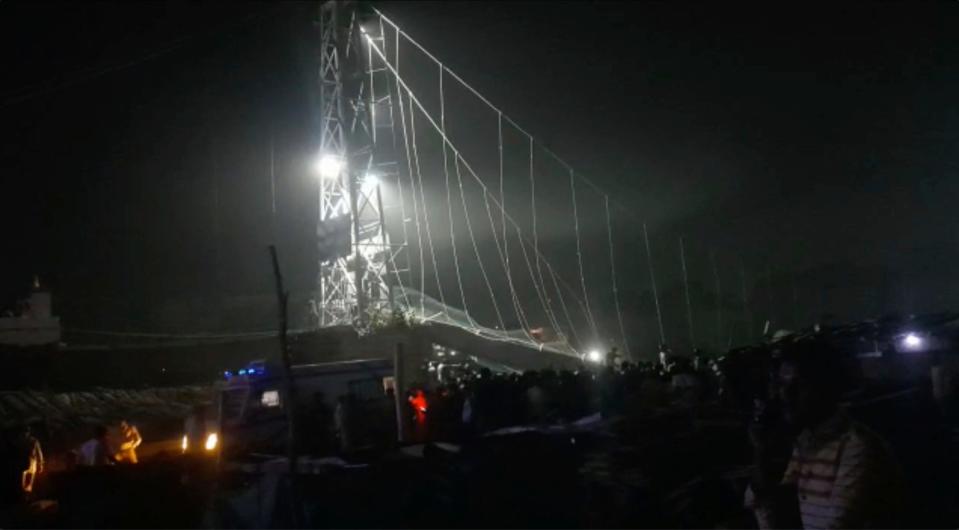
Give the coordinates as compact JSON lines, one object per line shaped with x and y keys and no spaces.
{"x":540,"y":284}
{"x":612,"y":271}
{"x":423,"y":204}
{"x":652,"y":279}
{"x":469,"y":228}
{"x":449,"y":199}
{"x":504,"y":252}
{"x":562,"y":302}
{"x":458,"y":158}
{"x":520,"y":315}
{"x":409,"y":163}
{"x":399,"y":178}
{"x":689,"y":305}
{"x":579,"y":255}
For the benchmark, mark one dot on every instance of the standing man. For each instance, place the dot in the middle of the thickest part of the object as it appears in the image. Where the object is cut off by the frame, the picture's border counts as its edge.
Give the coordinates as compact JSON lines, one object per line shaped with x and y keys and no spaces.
{"x":129,"y":441}
{"x":96,"y":451}
{"x":35,"y":462}
{"x":841,"y":474}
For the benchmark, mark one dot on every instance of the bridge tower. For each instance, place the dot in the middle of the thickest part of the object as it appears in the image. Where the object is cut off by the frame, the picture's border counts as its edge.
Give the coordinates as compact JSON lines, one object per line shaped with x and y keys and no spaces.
{"x":354,"y":251}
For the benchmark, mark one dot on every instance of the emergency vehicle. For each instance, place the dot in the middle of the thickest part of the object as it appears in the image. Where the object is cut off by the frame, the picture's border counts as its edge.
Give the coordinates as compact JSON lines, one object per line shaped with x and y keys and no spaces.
{"x":249,"y":412}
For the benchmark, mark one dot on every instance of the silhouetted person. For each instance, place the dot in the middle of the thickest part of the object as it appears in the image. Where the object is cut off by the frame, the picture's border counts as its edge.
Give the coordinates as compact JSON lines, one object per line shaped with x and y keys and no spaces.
{"x":841,"y":474}
{"x":96,"y":451}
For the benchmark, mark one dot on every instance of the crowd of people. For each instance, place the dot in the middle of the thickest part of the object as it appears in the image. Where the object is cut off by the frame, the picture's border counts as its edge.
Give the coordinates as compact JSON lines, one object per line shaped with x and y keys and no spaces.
{"x":25,"y":463}
{"x":477,"y":401}
{"x":814,"y":465}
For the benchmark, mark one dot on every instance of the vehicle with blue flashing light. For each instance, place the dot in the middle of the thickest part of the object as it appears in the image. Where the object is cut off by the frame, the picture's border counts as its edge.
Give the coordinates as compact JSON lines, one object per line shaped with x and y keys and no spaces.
{"x":249,"y":412}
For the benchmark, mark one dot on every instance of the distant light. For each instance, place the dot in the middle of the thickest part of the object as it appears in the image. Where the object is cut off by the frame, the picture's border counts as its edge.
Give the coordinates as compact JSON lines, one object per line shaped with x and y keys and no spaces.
{"x":329,"y":166}
{"x":184,"y":443}
{"x":912,"y":341}
{"x":228,"y":374}
{"x":270,"y":398}
{"x":242,"y":372}
{"x":211,"y":441}
{"x":594,"y":356}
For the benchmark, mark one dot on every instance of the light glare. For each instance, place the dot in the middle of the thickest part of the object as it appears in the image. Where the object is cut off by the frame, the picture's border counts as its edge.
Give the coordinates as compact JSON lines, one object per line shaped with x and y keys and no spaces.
{"x":369,"y":184}
{"x":594,"y":356}
{"x":912,"y":341}
{"x":329,"y":166}
{"x":211,"y":441}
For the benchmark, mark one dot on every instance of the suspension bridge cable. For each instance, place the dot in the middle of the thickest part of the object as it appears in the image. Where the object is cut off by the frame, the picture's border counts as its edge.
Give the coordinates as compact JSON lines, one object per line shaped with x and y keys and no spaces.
{"x":579,"y":254}
{"x":479,"y":258}
{"x":532,"y":274}
{"x":426,"y":215}
{"x":409,"y":163}
{"x":489,"y":104}
{"x":504,"y":251}
{"x":652,"y":279}
{"x":562,"y":301}
{"x":571,"y":290}
{"x":449,"y":197}
{"x":541,"y":286}
{"x":399,"y":178}
{"x":401,"y":83}
{"x":689,"y":305}
{"x":502,"y":194}
{"x":520,"y":315}
{"x":612,"y":271}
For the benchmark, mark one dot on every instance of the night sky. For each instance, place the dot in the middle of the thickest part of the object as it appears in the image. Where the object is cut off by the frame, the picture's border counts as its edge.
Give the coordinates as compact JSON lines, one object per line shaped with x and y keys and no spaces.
{"x":814,"y":149}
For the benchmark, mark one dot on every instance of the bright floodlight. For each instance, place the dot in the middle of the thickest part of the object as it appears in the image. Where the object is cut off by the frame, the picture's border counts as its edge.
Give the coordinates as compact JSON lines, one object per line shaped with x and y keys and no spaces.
{"x":369,"y":184}
{"x":912,"y":341}
{"x":329,"y":166}
{"x":594,"y":356}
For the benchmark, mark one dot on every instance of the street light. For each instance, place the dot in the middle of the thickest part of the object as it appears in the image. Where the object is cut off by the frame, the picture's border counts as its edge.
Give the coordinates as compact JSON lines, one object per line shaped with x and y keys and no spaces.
{"x":329,"y":166}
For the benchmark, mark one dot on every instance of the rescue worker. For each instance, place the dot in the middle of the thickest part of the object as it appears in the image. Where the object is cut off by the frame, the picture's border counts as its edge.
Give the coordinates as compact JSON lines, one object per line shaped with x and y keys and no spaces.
{"x":35,"y":462}
{"x":418,"y":403}
{"x":96,"y":450}
{"x":129,"y":441}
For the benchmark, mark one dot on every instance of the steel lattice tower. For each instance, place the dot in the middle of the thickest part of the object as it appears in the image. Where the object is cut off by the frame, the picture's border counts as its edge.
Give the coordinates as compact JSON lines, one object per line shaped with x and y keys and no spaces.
{"x":352,"y":284}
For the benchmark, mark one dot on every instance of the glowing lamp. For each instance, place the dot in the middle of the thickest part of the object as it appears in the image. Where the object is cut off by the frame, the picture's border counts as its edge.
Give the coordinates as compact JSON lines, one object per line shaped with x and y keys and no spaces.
{"x":329,"y":166}
{"x":184,"y":443}
{"x":211,"y":441}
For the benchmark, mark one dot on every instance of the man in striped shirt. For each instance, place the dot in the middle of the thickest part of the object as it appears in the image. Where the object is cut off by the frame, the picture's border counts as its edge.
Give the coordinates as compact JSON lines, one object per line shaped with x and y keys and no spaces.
{"x":841,"y":474}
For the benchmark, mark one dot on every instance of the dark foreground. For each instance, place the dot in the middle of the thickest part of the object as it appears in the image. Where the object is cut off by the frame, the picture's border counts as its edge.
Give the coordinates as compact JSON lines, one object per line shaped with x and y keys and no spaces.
{"x":678,"y":468}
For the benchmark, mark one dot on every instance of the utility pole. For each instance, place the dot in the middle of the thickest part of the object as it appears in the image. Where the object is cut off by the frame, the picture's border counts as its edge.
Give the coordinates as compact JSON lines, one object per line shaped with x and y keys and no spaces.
{"x":282,"y":299}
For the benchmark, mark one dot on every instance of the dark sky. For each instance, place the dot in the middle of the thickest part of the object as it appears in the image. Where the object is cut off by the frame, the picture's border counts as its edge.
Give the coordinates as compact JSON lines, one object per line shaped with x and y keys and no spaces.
{"x":815,"y":145}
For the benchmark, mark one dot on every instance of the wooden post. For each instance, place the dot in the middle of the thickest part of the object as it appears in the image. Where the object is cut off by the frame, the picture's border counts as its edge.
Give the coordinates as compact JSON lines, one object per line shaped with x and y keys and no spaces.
{"x":290,"y":406}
